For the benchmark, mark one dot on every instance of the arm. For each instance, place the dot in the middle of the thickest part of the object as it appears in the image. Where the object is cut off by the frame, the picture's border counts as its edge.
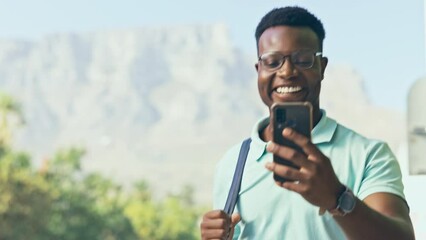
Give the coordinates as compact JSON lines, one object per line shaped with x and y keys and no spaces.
{"x":379,"y":216}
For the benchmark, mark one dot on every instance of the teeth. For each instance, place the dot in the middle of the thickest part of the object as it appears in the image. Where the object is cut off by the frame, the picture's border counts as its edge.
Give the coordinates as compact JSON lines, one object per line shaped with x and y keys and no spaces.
{"x":288,"y":89}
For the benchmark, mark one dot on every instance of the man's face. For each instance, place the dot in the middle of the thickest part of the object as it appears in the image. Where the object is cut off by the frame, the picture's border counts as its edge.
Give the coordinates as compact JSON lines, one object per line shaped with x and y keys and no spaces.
{"x":290,"y":82}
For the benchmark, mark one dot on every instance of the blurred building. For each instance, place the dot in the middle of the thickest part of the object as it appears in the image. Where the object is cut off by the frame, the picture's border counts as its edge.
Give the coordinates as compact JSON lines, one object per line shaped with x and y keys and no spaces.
{"x":416,"y":127}
{"x":415,"y":176}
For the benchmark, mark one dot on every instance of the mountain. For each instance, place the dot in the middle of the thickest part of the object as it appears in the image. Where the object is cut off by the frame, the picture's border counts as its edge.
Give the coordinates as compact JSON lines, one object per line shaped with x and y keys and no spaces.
{"x":161,"y":104}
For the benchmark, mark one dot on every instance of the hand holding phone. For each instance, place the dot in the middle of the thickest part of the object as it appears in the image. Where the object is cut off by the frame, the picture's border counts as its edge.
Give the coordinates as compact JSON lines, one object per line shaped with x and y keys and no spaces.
{"x":296,"y":115}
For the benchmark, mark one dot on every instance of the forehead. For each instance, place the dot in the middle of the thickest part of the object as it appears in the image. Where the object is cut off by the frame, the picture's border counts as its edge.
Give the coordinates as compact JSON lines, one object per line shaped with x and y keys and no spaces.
{"x":287,"y":39}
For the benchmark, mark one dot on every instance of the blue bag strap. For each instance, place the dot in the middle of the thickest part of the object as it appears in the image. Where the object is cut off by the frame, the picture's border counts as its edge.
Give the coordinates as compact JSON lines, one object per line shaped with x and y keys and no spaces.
{"x":231,"y":201}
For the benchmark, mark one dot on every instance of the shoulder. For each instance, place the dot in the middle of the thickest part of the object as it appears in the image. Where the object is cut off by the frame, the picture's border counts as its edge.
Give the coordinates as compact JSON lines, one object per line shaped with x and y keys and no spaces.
{"x":359,"y":142}
{"x":358,"y":150}
{"x":230,"y":157}
{"x":380,"y":168}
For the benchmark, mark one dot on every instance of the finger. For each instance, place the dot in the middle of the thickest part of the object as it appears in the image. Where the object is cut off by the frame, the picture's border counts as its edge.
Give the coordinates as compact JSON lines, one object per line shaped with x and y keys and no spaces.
{"x":215,"y":219}
{"x":215,"y":229}
{"x":305,"y":143}
{"x":215,"y":214}
{"x":285,"y":171}
{"x":215,"y":234}
{"x":297,"y":186}
{"x":289,"y":154}
{"x":217,"y":223}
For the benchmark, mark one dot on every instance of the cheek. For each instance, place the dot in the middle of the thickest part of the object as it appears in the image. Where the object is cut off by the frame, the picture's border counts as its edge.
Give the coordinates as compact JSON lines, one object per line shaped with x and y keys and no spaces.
{"x":314,"y":78}
{"x":314,"y":90}
{"x":317,"y":87}
{"x":314,"y":82}
{"x":263,"y":78}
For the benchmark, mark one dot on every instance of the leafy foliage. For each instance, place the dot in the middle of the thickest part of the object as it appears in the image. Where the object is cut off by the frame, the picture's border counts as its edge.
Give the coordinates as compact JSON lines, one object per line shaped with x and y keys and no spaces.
{"x":24,"y":199}
{"x":170,"y":219}
{"x":60,"y":201}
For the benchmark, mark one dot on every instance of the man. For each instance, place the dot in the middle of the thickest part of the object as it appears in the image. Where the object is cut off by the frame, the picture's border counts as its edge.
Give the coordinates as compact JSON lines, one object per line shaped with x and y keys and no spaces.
{"x":347,"y":186}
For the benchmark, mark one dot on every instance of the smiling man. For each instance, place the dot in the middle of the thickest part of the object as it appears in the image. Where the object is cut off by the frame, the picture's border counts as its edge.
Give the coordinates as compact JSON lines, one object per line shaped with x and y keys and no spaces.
{"x":345,"y":186}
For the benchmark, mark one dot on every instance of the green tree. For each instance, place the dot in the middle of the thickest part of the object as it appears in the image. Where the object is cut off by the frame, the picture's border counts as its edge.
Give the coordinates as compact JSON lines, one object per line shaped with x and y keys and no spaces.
{"x":24,"y":195}
{"x":10,"y":111}
{"x":61,"y":201}
{"x":173,"y":218}
{"x":86,"y":206}
{"x":24,"y":200}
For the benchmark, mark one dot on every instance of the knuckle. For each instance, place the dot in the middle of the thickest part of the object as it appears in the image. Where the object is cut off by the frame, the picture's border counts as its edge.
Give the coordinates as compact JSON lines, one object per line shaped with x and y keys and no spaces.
{"x":285,"y":171}
{"x":304,"y":141}
{"x":303,"y":191}
{"x":315,"y":169}
{"x":222,"y":232}
{"x":223,"y":222}
{"x":292,"y":154}
{"x":203,"y":233}
{"x":309,"y":180}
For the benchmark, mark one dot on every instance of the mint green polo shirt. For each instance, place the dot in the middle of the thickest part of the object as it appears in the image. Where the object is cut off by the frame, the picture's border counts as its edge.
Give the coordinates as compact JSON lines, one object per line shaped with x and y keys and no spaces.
{"x":269,"y":212}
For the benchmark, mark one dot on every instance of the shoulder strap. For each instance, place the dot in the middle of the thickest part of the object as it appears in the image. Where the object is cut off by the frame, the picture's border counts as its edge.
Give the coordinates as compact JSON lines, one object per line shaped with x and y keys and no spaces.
{"x":231,"y":201}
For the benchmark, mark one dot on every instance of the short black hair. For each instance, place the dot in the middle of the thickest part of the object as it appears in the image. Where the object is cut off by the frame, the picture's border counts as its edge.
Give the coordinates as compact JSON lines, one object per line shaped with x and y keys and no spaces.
{"x":290,"y":16}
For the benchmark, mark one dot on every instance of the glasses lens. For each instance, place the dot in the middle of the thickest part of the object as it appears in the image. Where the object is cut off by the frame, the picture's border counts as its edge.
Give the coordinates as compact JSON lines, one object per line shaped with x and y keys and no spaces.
{"x":303,"y":59}
{"x":272,"y":61}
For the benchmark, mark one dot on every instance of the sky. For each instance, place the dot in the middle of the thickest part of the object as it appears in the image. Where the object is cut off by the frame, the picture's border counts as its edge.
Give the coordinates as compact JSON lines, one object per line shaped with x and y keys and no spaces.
{"x":383,"y":40}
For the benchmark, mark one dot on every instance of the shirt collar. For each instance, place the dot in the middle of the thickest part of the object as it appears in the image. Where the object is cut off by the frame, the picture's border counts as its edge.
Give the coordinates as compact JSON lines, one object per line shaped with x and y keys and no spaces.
{"x":258,"y":146}
{"x":323,"y":132}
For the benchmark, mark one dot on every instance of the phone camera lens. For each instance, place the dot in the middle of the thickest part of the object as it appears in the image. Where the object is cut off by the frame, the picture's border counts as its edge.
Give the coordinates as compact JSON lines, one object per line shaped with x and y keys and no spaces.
{"x":281,"y":115}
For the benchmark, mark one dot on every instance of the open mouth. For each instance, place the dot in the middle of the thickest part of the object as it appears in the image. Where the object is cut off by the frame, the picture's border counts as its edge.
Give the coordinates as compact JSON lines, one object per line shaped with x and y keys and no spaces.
{"x":288,"y":89}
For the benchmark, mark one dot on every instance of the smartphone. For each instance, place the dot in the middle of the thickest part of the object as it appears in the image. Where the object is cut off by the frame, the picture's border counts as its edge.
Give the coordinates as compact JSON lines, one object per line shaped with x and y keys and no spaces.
{"x":296,"y":115}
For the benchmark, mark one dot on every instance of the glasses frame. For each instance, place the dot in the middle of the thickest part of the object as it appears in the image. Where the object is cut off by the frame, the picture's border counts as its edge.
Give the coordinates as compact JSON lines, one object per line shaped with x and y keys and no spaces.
{"x":289,"y":56}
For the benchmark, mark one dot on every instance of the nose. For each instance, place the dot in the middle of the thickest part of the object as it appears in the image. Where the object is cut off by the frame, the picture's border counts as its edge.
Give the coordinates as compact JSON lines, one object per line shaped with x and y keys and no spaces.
{"x":287,"y":69}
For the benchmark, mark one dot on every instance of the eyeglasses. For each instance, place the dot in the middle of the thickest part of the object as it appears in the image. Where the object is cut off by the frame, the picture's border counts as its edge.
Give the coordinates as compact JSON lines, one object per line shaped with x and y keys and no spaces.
{"x":303,"y":59}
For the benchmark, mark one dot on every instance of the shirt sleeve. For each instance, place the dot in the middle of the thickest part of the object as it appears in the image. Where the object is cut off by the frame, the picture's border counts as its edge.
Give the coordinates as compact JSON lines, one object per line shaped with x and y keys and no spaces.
{"x":382,"y":173}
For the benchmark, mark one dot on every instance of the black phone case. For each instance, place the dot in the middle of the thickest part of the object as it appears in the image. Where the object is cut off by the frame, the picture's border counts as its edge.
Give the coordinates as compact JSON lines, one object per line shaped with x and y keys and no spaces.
{"x":298,"y":116}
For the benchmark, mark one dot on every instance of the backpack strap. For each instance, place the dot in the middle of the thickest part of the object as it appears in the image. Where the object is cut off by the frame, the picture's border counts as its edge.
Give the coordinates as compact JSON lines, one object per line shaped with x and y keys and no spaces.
{"x":231,"y":201}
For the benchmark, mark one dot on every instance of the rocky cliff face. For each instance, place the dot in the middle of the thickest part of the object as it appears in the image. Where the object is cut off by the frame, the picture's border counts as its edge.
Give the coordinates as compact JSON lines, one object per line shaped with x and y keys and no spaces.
{"x":157,"y":104}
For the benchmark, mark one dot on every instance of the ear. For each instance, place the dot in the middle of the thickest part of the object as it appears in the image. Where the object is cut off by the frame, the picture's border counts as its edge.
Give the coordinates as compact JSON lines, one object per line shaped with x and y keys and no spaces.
{"x":324,"y":62}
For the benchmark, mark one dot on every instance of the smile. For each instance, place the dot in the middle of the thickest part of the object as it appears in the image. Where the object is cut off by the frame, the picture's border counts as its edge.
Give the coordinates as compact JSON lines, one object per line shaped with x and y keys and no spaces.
{"x":283,"y":90}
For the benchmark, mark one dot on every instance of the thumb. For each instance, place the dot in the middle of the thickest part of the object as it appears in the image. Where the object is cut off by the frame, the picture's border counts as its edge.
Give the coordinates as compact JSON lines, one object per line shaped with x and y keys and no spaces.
{"x":235,"y":218}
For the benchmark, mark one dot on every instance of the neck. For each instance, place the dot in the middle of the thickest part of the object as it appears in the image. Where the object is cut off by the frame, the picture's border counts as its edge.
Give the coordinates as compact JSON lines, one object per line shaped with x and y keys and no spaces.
{"x":317,"y":114}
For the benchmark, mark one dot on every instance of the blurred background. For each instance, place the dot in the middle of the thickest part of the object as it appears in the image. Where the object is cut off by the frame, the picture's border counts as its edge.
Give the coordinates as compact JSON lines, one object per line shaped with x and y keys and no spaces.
{"x":114,"y":113}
